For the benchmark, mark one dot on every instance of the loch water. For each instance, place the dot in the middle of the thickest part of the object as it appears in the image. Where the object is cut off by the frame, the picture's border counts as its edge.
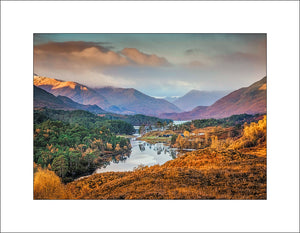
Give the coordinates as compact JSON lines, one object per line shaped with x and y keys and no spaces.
{"x":142,"y":153}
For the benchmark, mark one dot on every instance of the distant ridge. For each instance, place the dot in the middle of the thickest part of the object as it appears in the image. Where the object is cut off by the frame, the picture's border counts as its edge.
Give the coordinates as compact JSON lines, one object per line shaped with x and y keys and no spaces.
{"x":132,"y":101}
{"x":250,"y":100}
{"x":196,"y":98}
{"x":43,"y":99}
{"x":117,"y":100}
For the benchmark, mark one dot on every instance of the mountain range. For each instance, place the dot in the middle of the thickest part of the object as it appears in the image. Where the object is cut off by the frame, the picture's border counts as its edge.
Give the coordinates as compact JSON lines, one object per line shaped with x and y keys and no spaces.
{"x":196,"y":98}
{"x":43,"y":99}
{"x":117,"y":100}
{"x":132,"y":101}
{"x":250,"y":100}
{"x":66,"y":95}
{"x":75,"y":91}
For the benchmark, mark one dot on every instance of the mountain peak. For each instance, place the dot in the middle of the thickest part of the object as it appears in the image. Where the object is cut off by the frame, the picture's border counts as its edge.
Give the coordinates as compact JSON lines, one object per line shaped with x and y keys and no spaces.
{"x":75,"y":91}
{"x":193,"y":91}
{"x":196,"y":98}
{"x":56,"y":83}
{"x":119,"y":100}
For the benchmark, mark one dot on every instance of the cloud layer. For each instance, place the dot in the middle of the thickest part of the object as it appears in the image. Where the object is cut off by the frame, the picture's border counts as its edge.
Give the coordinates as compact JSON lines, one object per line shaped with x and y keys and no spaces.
{"x":72,"y":46}
{"x":80,"y":54}
{"x":144,"y":59}
{"x":156,"y":64}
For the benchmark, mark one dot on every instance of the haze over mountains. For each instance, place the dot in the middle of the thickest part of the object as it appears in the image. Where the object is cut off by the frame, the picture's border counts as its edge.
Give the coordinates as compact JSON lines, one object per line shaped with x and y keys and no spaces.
{"x":132,"y":101}
{"x":196,"y":98}
{"x":43,"y":99}
{"x":117,"y":100}
{"x":249,"y":100}
{"x":71,"y":95}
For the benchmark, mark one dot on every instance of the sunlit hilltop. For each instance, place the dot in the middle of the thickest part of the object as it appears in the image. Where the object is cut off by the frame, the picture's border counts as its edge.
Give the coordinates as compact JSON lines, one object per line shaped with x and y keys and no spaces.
{"x":56,"y":84}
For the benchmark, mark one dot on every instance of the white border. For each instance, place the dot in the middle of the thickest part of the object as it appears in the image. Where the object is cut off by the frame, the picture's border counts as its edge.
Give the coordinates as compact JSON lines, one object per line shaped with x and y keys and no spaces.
{"x":19,"y":20}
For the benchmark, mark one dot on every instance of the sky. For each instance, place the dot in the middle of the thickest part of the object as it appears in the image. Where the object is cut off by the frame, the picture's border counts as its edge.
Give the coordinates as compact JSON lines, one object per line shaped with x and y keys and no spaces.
{"x":159,"y":65}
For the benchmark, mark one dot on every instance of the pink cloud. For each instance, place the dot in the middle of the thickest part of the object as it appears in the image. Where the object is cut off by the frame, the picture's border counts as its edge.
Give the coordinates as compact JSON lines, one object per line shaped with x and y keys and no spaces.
{"x":89,"y":55}
{"x":140,"y":58}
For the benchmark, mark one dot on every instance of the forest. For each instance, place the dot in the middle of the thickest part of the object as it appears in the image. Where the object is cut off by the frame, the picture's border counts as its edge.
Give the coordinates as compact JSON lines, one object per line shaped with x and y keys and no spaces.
{"x":75,"y":143}
{"x":138,"y":119}
{"x":83,"y":118}
{"x":235,"y":120}
{"x":76,"y":148}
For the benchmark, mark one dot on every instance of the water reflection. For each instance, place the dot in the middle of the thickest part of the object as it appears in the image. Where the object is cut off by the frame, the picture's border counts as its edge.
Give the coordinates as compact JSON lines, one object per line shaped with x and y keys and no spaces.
{"x":120,"y":158}
{"x":142,"y":153}
{"x":142,"y":147}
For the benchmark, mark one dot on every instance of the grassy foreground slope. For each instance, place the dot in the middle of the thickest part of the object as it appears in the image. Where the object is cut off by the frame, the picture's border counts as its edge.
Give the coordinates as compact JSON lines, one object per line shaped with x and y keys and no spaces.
{"x":204,"y":174}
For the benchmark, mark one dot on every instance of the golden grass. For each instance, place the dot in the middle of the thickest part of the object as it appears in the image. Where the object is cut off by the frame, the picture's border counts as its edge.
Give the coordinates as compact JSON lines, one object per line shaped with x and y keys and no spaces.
{"x":203,"y":174}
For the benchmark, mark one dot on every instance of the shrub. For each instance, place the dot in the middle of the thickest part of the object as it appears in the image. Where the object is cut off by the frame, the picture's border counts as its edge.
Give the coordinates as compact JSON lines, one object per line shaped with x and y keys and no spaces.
{"x":47,"y":185}
{"x":253,"y":134}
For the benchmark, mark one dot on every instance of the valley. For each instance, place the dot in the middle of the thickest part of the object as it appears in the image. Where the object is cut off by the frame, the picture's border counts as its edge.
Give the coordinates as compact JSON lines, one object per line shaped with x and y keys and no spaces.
{"x":214,"y":153}
{"x":149,"y":116}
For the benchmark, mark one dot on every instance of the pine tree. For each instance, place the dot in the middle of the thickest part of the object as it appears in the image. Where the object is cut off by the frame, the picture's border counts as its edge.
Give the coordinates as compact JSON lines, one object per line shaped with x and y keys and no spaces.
{"x":60,"y":166}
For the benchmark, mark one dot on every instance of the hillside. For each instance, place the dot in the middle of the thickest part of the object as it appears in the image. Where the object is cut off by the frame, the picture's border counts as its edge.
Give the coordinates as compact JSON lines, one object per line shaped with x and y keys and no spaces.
{"x":43,"y":99}
{"x":196,"y":98}
{"x":91,"y":108}
{"x":250,"y":100}
{"x":132,"y":101}
{"x":196,"y":113}
{"x":117,"y":100}
{"x":204,"y":174}
{"x":75,"y":91}
{"x":171,"y":99}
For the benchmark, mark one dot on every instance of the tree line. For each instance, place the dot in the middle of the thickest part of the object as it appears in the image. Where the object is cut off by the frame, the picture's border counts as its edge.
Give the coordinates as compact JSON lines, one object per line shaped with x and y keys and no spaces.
{"x":83,"y":118}
{"x":234,"y":120}
{"x":139,"y":119}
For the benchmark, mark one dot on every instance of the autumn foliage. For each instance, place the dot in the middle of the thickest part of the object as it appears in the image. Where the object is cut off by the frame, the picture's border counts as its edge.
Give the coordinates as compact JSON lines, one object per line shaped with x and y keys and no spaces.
{"x":73,"y":150}
{"x":202,"y":174}
{"x":227,"y":164}
{"x":253,"y":134}
{"x":47,"y":185}
{"x":226,"y":168}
